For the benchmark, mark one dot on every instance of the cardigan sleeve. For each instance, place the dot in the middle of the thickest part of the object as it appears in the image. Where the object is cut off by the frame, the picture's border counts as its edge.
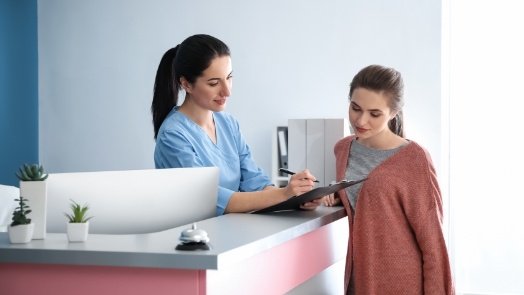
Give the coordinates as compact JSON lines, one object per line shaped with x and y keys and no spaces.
{"x":426,"y":219}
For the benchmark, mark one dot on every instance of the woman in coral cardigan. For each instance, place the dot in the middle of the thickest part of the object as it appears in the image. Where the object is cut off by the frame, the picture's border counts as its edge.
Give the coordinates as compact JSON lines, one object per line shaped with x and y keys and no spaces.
{"x":396,"y":243}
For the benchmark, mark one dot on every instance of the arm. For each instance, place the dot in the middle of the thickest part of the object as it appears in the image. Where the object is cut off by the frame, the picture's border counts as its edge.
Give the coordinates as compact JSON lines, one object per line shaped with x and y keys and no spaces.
{"x":426,"y":221}
{"x":249,"y":201}
{"x":256,"y":191}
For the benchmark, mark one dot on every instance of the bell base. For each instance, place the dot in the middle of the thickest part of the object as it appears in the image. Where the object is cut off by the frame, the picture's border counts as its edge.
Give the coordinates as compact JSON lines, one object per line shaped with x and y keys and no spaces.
{"x":192,"y":246}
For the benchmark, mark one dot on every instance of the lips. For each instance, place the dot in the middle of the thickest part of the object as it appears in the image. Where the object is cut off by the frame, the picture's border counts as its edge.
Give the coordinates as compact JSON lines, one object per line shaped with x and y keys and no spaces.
{"x":360,"y":130}
{"x":220,"y":101}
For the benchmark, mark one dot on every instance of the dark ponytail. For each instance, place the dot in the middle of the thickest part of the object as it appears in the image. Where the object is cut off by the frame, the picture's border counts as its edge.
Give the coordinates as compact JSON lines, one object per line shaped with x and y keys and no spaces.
{"x":165,"y":92}
{"x":188,"y":59}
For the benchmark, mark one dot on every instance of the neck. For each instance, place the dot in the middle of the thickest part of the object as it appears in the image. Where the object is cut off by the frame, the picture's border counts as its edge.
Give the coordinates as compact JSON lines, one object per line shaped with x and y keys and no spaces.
{"x":202,"y":117}
{"x":383,"y":141}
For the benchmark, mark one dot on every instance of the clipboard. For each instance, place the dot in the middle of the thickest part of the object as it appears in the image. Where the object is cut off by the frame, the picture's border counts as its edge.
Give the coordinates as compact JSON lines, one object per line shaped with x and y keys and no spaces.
{"x":294,"y":203}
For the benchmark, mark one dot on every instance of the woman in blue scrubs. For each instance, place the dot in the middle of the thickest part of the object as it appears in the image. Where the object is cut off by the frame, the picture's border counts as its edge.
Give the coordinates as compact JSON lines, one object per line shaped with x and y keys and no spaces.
{"x":199,"y":134}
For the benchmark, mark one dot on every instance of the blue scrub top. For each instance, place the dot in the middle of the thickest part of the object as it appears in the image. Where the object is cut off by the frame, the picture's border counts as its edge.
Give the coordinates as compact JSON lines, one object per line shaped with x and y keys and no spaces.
{"x":182,"y":143}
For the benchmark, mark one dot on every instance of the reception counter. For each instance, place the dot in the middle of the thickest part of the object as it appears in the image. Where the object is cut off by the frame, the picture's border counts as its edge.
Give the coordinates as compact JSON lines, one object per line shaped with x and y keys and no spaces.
{"x":249,"y":254}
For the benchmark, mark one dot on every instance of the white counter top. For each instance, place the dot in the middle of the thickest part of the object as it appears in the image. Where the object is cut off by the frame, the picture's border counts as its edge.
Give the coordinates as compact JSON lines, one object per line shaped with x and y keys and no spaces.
{"x":233,"y":237}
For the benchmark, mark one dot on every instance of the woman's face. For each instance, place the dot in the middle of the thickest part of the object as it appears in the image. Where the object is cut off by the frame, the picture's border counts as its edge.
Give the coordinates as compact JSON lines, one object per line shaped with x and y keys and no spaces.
{"x":369,"y":113}
{"x":212,"y":89}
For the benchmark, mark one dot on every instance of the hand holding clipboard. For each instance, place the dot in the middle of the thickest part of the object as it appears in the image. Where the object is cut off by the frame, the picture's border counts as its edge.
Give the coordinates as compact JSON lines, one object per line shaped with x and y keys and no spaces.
{"x":294,"y":203}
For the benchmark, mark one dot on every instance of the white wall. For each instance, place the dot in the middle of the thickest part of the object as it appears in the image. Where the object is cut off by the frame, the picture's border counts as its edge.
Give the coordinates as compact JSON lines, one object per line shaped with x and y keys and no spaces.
{"x":291,"y":59}
{"x":485,"y":57}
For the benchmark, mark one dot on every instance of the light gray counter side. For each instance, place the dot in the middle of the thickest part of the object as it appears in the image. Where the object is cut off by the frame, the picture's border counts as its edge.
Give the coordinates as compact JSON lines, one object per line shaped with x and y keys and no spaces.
{"x":233,"y":238}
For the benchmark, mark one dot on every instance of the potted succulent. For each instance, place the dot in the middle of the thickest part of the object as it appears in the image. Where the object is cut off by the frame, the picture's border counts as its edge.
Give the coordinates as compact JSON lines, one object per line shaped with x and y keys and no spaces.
{"x":78,"y":225}
{"x":34,"y":187}
{"x":21,"y":228}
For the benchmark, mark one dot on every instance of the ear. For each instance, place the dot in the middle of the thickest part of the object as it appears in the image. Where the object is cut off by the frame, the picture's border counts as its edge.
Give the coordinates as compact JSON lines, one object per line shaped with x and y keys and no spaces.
{"x":185,"y":85}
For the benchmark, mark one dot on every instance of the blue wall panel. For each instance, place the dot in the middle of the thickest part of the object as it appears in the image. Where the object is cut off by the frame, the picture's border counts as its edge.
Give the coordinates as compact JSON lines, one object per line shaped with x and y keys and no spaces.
{"x":18,"y":87}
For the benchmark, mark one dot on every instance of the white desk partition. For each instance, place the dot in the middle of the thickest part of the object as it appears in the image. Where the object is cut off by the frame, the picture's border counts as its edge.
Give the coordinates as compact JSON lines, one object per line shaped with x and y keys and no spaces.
{"x":134,"y":201}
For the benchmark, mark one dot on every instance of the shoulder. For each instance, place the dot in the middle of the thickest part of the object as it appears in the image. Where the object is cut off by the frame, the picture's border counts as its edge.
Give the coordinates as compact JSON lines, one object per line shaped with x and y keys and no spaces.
{"x":177,"y":127}
{"x":416,"y":148}
{"x":417,"y":155}
{"x":172,"y":121}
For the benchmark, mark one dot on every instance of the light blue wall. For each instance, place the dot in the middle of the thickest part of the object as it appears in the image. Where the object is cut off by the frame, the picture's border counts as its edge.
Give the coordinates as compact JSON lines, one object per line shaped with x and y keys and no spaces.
{"x":18,"y":87}
{"x":291,"y":59}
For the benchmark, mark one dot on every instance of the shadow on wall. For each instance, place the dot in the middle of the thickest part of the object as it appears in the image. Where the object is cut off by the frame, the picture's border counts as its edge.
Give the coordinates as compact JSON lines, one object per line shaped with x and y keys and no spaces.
{"x":8,"y":194}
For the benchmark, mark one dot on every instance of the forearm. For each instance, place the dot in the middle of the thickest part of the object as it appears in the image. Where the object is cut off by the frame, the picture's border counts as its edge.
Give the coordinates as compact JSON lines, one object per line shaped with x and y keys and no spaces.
{"x":298,"y":184}
{"x":249,"y":201}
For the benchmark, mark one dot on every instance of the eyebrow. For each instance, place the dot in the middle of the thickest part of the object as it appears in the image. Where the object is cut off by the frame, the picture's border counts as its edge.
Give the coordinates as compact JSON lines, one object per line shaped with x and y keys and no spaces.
{"x":218,"y":79}
{"x":372,"y":110}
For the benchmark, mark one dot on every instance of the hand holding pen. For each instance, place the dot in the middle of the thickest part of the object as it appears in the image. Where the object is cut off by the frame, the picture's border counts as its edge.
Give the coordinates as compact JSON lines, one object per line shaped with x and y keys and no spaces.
{"x":283,"y":170}
{"x":300,"y":183}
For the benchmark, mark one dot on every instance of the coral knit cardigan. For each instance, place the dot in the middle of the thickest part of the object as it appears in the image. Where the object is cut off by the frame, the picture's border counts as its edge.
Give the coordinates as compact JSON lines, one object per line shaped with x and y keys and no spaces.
{"x":396,"y":243}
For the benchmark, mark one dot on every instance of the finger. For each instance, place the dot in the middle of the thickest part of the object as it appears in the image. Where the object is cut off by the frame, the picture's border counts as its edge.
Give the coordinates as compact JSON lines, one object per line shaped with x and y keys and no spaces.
{"x":318,"y":201}
{"x":308,"y":206}
{"x":330,"y":200}
{"x":302,"y":186}
{"x":305,"y":175}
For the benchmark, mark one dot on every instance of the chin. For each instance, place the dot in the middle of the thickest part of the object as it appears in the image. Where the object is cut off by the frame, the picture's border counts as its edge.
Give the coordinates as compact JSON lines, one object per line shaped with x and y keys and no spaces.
{"x":219,"y":108}
{"x":363,"y":135}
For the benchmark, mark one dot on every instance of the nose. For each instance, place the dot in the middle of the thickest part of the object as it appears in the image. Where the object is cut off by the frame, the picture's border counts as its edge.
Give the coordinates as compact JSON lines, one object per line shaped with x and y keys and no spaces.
{"x":361,"y":119}
{"x":226,"y":89}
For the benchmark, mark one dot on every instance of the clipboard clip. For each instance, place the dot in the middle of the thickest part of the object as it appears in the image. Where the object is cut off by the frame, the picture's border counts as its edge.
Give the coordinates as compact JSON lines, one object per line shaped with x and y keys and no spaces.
{"x":347,"y":181}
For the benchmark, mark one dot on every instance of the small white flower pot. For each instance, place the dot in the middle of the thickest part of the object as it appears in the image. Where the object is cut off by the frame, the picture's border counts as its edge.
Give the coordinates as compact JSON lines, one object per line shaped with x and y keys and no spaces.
{"x":22,"y":233}
{"x":77,"y":232}
{"x":36,"y":194}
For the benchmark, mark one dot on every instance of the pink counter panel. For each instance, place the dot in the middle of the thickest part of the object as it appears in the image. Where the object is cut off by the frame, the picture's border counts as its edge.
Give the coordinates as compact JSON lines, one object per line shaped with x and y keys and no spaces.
{"x":272,"y":254}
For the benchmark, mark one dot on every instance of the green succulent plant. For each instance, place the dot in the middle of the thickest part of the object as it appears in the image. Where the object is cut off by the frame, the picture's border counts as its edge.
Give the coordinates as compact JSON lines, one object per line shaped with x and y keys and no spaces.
{"x":78,"y":213}
{"x":20,"y":213}
{"x":31,"y":172}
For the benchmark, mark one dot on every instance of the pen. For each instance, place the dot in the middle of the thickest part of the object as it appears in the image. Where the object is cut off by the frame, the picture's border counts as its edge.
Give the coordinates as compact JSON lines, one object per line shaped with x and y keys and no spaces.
{"x":283,"y":170}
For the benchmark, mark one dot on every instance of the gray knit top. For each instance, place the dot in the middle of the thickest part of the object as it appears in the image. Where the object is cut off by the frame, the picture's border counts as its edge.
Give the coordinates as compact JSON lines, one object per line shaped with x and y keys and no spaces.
{"x":361,"y":161}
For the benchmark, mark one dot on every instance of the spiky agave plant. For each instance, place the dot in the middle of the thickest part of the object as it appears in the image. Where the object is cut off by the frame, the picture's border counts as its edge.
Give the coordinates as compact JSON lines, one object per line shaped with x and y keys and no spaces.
{"x":20,"y":213}
{"x":31,"y":172}
{"x":78,"y":213}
